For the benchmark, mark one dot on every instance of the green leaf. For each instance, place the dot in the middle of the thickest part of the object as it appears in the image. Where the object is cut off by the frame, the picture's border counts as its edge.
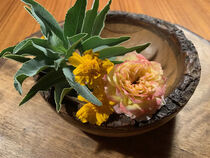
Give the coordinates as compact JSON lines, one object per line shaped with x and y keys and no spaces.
{"x":89,"y":20}
{"x":46,"y":20}
{"x":119,"y":50}
{"x":44,"y":83}
{"x":61,"y":89}
{"x":24,"y":43}
{"x":35,"y":47}
{"x":26,"y":47}
{"x":18,"y":58}
{"x":47,"y":52}
{"x":74,"y":18}
{"x":96,"y":41}
{"x":98,"y":49}
{"x":7,"y":50}
{"x":58,"y":63}
{"x":44,"y":29}
{"x":56,"y":44}
{"x":76,"y":40}
{"x":99,"y":21}
{"x":116,"y":62}
{"x":30,"y":68}
{"x":76,"y":37}
{"x":82,"y":90}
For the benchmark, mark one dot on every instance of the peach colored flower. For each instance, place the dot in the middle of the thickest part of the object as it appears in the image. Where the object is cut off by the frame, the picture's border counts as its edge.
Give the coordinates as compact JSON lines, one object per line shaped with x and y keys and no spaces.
{"x":137,"y":86}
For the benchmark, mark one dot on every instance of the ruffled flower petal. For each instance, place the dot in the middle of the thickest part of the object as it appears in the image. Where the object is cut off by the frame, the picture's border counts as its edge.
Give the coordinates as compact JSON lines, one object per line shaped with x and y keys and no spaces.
{"x":137,"y":86}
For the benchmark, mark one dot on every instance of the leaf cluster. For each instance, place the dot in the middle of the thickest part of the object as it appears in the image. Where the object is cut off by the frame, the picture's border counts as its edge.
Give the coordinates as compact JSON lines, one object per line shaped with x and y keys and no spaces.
{"x":81,"y":32}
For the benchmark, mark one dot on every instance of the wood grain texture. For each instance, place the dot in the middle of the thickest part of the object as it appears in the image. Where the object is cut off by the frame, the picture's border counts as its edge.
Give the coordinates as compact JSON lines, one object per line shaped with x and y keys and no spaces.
{"x":16,"y":24}
{"x":35,"y":130}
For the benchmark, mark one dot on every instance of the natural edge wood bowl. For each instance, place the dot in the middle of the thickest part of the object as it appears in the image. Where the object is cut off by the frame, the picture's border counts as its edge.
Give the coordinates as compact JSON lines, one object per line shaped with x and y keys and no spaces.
{"x":170,"y":47}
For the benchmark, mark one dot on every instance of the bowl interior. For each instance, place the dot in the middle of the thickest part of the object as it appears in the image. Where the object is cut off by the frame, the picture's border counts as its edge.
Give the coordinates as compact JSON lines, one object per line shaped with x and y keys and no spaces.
{"x":170,"y":48}
{"x":161,"y":49}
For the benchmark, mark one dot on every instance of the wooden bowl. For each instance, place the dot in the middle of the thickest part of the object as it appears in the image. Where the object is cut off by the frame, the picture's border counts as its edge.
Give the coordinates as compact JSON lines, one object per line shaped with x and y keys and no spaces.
{"x":171,"y":48}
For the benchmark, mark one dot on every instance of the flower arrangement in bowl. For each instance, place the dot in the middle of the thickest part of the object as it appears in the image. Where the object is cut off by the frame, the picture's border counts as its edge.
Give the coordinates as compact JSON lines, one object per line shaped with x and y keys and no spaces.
{"x":100,"y":85}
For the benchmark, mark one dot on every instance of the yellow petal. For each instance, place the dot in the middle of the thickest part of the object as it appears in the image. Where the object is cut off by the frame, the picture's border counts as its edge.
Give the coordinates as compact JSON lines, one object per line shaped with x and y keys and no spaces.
{"x":107,"y":65}
{"x":93,"y":114}
{"x":81,"y":98}
{"x":75,"y":60}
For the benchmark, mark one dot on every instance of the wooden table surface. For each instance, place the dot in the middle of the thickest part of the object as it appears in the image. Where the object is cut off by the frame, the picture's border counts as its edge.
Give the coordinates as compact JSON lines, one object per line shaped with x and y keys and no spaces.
{"x":35,"y":131}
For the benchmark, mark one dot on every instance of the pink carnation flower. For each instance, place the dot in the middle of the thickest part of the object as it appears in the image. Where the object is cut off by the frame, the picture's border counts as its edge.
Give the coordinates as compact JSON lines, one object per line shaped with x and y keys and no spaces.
{"x":137,"y":86}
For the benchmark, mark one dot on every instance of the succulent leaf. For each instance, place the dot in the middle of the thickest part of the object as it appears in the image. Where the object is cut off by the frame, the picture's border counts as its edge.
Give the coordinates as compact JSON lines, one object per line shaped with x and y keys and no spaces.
{"x":96,"y":41}
{"x":99,"y":21}
{"x":89,"y":19}
{"x":119,"y":50}
{"x":74,"y":18}
{"x":82,"y":90}
{"x":44,"y":83}
{"x":30,"y":68}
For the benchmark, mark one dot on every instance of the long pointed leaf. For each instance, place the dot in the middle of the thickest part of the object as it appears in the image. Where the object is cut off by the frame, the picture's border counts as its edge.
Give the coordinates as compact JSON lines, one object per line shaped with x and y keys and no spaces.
{"x":7,"y":50}
{"x":47,"y":52}
{"x":44,"y":83}
{"x":96,"y":41}
{"x":61,"y":89}
{"x":46,"y":20}
{"x":99,"y":22}
{"x":74,"y":18}
{"x":82,"y":90}
{"x":76,"y":40}
{"x":118,"y":50}
{"x":28,"y":69}
{"x":44,"y":28}
{"x":18,"y":58}
{"x":89,"y":19}
{"x":35,"y":47}
{"x":24,"y":43}
{"x":56,"y":44}
{"x":26,"y":47}
{"x":76,"y":37}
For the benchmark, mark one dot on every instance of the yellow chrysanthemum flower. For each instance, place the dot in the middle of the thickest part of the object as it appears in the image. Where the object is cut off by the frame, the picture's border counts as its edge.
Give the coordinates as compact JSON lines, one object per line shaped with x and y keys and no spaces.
{"x":90,"y":71}
{"x":95,"y":114}
{"x":89,"y":67}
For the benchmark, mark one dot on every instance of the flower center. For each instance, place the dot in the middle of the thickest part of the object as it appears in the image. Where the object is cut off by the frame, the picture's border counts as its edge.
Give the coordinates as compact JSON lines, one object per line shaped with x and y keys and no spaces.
{"x":136,"y":81}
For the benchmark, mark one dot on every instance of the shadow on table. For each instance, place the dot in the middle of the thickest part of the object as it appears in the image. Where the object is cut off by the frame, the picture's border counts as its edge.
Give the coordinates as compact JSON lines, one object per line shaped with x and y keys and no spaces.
{"x":156,"y":143}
